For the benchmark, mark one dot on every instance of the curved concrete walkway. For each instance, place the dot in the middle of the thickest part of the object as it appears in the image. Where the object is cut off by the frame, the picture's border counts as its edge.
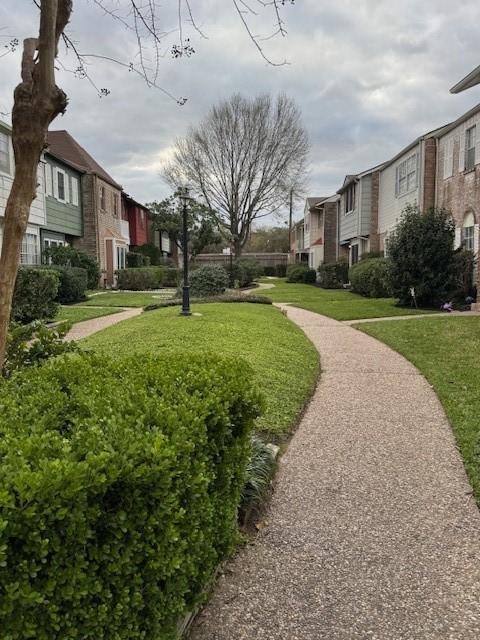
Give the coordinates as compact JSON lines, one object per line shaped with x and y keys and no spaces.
{"x":373,"y":532}
{"x":89,"y":327}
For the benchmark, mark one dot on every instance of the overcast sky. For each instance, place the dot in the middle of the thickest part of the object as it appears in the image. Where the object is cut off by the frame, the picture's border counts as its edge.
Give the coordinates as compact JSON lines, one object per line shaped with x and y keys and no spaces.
{"x":368,"y":75}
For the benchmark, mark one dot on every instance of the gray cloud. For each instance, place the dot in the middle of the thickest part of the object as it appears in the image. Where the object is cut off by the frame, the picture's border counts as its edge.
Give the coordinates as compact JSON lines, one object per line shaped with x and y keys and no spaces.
{"x":369,"y":76}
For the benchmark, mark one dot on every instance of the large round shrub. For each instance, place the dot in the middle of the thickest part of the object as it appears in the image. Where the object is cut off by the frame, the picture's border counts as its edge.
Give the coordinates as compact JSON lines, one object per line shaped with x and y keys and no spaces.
{"x":73,"y":284}
{"x":35,"y":295}
{"x":421,"y":256}
{"x":120,"y":482}
{"x":209,"y":280}
{"x":68,"y":256}
{"x":370,"y":278}
{"x":334,"y":275}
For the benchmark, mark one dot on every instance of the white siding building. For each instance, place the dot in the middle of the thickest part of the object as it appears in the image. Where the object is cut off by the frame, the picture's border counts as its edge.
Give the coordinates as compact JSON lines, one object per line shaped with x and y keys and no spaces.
{"x":31,"y":242}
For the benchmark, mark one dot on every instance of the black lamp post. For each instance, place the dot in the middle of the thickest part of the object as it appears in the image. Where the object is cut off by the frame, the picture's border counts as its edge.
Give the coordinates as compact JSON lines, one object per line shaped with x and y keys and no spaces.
{"x":185,"y":199}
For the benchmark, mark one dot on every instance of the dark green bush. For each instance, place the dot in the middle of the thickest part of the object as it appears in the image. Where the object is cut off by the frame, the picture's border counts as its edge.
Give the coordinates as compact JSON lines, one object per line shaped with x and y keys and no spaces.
{"x":421,"y":255}
{"x":175,"y":302}
{"x":209,"y":280}
{"x":170,"y":277}
{"x":139,"y":279}
{"x":280,"y":270}
{"x":370,"y":278}
{"x":301,"y":273}
{"x":243,"y":272}
{"x":464,"y":266}
{"x":29,"y":344}
{"x":35,"y":295}
{"x":269,"y":271}
{"x":70,"y":257}
{"x":151,"y":251}
{"x":136,"y":259}
{"x":73,"y":284}
{"x":296,"y":272}
{"x":333,"y":276}
{"x":120,"y":484}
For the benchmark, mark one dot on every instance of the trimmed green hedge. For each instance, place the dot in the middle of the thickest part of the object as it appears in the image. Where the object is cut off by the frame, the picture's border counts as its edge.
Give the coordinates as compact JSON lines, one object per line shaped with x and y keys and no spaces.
{"x":239,"y":298}
{"x":334,"y":275}
{"x":139,"y":279}
{"x":209,"y":280}
{"x":370,"y":278}
{"x":301,"y":273}
{"x":73,"y":284}
{"x":35,"y":295}
{"x":120,"y":482}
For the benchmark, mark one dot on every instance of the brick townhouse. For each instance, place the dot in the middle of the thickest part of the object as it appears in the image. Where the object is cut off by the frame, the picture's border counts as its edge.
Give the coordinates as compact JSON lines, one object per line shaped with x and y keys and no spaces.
{"x":106,"y":234}
{"x":458,"y":177}
{"x":314,"y":238}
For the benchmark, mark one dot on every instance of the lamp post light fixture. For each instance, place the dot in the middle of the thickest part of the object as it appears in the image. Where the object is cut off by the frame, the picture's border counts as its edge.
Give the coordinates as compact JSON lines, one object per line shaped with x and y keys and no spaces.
{"x":184,"y":196}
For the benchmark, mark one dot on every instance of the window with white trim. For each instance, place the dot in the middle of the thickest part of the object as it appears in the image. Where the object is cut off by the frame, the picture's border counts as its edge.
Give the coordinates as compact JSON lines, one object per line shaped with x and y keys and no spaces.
{"x":406,"y":175}
{"x":61,"y":185}
{"x":48,"y":179}
{"x":470,"y":138}
{"x":121,"y":257}
{"x":30,"y":249}
{"x":354,"y":254}
{"x":468,"y":232}
{"x":350,"y":198}
{"x":102,"y":198}
{"x":74,"y":191}
{"x":4,"y":152}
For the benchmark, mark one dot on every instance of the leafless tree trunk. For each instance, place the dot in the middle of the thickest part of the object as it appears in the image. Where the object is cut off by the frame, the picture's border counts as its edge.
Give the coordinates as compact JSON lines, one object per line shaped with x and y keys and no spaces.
{"x":37,"y":101}
{"x":242,"y":160}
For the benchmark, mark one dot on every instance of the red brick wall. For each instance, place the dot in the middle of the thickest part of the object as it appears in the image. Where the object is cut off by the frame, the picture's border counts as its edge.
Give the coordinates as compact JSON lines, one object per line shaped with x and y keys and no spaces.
{"x":330,"y":232}
{"x":138,"y":225}
{"x":429,"y":174}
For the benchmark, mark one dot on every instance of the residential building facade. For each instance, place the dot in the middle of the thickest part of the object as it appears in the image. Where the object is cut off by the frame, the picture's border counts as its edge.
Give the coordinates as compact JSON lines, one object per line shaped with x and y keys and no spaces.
{"x":137,"y":216}
{"x":106,"y":233}
{"x":407,"y":179}
{"x":358,"y":215}
{"x":458,"y":177}
{"x":63,"y":203}
{"x":314,"y":238}
{"x":31,"y":249}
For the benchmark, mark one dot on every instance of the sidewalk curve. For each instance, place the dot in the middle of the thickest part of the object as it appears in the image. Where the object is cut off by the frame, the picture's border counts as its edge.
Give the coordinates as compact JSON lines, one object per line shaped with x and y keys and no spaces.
{"x":373,"y":532}
{"x":89,"y":327}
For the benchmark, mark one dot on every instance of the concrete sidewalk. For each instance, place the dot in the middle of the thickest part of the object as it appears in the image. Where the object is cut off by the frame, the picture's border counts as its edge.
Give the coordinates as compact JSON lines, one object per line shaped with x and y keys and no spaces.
{"x":373,"y":531}
{"x":89,"y":327}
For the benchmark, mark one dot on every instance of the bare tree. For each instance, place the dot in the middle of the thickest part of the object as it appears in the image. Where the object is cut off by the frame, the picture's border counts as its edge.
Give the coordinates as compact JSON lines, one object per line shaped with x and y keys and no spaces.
{"x":38,"y":100}
{"x":243,"y":160}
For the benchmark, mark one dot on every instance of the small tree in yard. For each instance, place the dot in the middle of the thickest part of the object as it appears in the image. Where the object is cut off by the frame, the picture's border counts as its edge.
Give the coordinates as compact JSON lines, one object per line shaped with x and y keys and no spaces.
{"x":421,"y":256}
{"x":38,"y":100}
{"x":167,"y":216}
{"x":242,"y":160}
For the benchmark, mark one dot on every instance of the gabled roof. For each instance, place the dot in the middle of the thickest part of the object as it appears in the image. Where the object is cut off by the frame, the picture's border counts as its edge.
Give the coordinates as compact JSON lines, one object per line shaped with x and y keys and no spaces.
{"x":313,"y":202}
{"x":65,"y":162}
{"x":355,"y":177}
{"x":131,"y":200}
{"x":466,"y":116}
{"x":431,"y":134}
{"x":470,"y":80}
{"x":65,"y":147}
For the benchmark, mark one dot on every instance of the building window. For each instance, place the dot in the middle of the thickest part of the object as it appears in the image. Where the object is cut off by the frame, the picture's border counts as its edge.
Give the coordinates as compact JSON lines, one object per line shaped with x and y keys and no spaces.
{"x":468,"y":232}
{"x":61,"y":185}
{"x":350,"y":198}
{"x":29,"y":253}
{"x":102,"y":199}
{"x":121,"y":257}
{"x":406,"y":178}
{"x":354,"y":254}
{"x":48,"y":180}
{"x":115,"y":205}
{"x":74,"y":191}
{"x":470,"y":137}
{"x":4,"y":153}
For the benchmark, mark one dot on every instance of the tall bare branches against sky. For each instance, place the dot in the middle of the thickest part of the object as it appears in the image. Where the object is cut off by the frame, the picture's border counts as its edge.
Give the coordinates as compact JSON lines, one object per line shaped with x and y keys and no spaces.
{"x":369,"y":76}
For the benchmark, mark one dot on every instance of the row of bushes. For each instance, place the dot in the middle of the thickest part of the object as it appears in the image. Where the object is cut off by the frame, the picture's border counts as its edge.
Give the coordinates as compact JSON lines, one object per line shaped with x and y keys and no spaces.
{"x":39,"y":291}
{"x":120,"y":484}
{"x":146,"y":278}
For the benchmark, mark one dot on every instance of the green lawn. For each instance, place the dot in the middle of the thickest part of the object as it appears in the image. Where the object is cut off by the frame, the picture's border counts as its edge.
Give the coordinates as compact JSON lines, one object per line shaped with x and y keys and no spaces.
{"x":284,"y":361}
{"x":78,"y":314}
{"x":446,"y":350}
{"x":128,"y":298}
{"x":335,"y":303}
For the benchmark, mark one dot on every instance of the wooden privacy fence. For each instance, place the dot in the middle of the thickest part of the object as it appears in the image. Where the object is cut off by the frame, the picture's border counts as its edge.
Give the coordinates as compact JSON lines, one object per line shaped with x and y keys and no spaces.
{"x":265,"y":259}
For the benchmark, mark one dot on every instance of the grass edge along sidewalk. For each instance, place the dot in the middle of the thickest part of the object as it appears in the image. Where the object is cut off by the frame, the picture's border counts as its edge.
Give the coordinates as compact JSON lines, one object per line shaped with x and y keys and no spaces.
{"x":285,"y":363}
{"x":445,"y":350}
{"x":335,"y":303}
